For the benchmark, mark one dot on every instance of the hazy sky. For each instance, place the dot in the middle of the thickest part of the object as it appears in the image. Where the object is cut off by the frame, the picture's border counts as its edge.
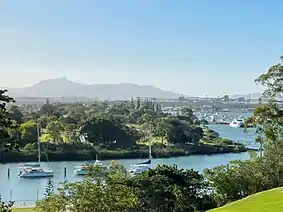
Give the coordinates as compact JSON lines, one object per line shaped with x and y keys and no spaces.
{"x":193,"y":47}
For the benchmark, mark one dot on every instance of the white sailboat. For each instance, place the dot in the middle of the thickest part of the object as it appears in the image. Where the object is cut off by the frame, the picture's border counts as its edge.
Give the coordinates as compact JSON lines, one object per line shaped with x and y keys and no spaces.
{"x":83,"y":169}
{"x":138,"y":168}
{"x":33,"y":170}
{"x":237,"y":123}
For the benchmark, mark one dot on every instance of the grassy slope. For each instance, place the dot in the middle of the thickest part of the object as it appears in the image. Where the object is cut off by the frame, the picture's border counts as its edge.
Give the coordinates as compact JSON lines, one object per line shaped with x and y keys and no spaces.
{"x":22,"y":210}
{"x":267,"y":201}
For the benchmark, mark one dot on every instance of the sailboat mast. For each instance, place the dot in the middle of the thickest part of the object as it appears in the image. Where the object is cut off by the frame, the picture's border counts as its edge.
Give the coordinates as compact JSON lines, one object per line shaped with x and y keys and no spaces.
{"x":38,"y":142}
{"x":150,"y":152}
{"x":150,"y":140}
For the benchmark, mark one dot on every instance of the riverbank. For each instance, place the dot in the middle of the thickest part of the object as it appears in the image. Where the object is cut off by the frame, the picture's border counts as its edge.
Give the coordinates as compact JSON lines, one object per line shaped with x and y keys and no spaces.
{"x":90,"y":154}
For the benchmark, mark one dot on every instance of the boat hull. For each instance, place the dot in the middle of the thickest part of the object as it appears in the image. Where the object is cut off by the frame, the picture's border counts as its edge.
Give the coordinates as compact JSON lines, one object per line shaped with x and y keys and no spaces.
{"x":236,"y":125}
{"x":36,"y":175}
{"x":80,"y":172}
{"x":138,"y":169}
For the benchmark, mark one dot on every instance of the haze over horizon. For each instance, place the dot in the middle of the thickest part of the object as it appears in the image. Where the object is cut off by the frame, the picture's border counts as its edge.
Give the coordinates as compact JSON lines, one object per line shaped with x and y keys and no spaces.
{"x":191,"y":47}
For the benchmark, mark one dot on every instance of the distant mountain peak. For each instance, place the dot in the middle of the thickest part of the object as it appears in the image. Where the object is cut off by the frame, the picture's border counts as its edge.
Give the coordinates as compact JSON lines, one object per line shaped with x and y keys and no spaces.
{"x":62,"y":87}
{"x":63,"y":80}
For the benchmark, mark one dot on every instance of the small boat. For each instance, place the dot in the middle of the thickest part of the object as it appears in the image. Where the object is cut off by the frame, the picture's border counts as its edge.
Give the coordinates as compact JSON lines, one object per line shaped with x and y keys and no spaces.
{"x":33,"y":170}
{"x":237,"y":123}
{"x":83,"y":170}
{"x":138,"y":168}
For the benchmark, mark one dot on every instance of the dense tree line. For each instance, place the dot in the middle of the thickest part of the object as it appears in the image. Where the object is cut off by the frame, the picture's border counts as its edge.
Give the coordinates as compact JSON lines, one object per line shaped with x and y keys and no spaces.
{"x":127,"y":125}
{"x":163,"y":189}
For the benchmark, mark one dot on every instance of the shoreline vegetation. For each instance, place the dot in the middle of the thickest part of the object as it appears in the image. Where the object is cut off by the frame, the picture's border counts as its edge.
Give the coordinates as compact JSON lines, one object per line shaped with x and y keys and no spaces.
{"x":88,"y":155}
{"x":209,"y":144}
{"x":80,"y":132}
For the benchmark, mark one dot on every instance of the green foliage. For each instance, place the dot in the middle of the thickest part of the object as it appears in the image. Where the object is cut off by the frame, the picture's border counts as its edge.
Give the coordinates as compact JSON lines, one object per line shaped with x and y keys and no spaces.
{"x":55,"y":129}
{"x":162,"y":189}
{"x":268,"y":118}
{"x":49,"y":189}
{"x":106,"y":131}
{"x":16,"y":114}
{"x":5,"y":121}
{"x":114,"y":130}
{"x":125,"y":125}
{"x":6,"y":207}
{"x":102,"y":191}
{"x":28,"y":132}
{"x":171,"y":189}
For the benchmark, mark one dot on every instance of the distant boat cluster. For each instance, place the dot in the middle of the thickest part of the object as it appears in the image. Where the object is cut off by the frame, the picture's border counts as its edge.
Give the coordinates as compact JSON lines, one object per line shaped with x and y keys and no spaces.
{"x":34,"y":170}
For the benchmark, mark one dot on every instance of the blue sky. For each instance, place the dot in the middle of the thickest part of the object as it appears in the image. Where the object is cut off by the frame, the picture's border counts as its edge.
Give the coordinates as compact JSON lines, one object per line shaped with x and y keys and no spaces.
{"x":193,"y":47}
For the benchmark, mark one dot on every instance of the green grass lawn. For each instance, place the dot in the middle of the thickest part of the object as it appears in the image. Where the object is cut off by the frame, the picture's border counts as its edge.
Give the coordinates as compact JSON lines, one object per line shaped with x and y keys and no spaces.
{"x":267,"y":201}
{"x":22,"y":210}
{"x":155,"y":140}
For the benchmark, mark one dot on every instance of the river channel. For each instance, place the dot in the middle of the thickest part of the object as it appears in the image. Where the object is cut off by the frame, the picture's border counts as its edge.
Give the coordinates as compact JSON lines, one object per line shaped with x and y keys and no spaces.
{"x":27,"y":191}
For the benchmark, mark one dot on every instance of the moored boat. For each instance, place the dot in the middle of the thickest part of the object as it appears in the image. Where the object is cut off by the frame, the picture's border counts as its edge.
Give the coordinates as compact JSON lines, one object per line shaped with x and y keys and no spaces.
{"x":237,"y":123}
{"x":83,"y":169}
{"x":33,"y":170}
{"x":138,"y":168}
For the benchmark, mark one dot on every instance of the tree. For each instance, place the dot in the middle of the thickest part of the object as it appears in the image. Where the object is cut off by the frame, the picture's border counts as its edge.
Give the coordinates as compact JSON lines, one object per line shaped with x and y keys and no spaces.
{"x":182,"y":132}
{"x":235,"y":181}
{"x":43,"y":120}
{"x":167,"y":188}
{"x":5,"y":121}
{"x":162,"y":128}
{"x":15,"y":134}
{"x":108,"y":132}
{"x":47,"y":109}
{"x":28,"y":132}
{"x":268,"y":118}
{"x":16,"y":114}
{"x":49,"y":189}
{"x":71,"y":132}
{"x":6,"y":207}
{"x":101,"y":191}
{"x":226,"y":98}
{"x":188,"y":115}
{"x":242,"y":178}
{"x":55,"y":129}
{"x":138,"y":103}
{"x":239,"y":178}
{"x":272,"y":80}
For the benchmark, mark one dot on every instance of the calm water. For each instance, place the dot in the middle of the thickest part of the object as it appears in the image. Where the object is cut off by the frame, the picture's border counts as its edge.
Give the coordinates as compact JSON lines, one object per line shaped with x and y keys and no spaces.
{"x":19,"y":189}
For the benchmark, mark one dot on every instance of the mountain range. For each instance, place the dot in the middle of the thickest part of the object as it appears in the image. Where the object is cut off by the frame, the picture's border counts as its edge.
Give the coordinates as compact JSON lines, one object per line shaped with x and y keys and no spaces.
{"x":62,"y":87}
